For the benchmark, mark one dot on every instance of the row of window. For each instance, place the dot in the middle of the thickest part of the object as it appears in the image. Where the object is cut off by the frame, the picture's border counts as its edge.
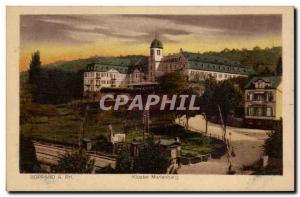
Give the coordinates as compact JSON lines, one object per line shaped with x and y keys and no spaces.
{"x":221,"y":67}
{"x":175,"y":59}
{"x":260,"y":111}
{"x":173,"y":67}
{"x":102,"y":74}
{"x":261,"y":84}
{"x":266,"y":97}
{"x":203,"y":75}
{"x":99,"y":82}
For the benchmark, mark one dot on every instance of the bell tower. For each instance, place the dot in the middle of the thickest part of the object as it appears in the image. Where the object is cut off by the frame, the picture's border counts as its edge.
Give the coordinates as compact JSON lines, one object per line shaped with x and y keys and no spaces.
{"x":156,"y":54}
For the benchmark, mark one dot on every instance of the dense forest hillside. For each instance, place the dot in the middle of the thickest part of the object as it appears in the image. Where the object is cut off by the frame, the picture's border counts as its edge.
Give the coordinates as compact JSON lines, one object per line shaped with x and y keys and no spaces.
{"x":258,"y":59}
{"x":80,"y":64}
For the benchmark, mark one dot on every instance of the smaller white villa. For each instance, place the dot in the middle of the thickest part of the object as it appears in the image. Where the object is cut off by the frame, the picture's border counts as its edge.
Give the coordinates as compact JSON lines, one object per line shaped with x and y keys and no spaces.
{"x":98,"y":76}
{"x":263,"y":100}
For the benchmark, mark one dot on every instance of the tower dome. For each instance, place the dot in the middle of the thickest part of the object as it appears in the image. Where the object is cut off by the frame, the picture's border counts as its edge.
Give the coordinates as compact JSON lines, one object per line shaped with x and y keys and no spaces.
{"x":156,"y":44}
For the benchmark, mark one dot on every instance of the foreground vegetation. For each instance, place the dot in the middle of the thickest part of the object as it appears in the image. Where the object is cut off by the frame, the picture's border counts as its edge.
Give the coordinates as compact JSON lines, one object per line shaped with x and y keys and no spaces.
{"x":62,"y":124}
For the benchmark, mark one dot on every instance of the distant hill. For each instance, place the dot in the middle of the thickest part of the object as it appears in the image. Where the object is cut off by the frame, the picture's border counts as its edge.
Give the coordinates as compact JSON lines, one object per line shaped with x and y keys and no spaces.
{"x":257,"y":59}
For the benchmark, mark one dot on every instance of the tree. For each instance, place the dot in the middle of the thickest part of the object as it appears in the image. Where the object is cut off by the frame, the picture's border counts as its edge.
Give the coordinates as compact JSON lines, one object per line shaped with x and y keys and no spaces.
{"x":279,"y":67}
{"x":34,"y":68}
{"x":28,"y":160}
{"x":123,"y":164}
{"x":226,"y":96}
{"x":190,"y":113}
{"x":273,"y":145}
{"x":255,"y":58}
{"x":256,"y":48}
{"x":75,"y":162}
{"x":51,"y":85}
{"x":103,"y":144}
{"x":207,"y":107}
{"x":173,"y":83}
{"x":152,"y":160}
{"x":266,"y":72}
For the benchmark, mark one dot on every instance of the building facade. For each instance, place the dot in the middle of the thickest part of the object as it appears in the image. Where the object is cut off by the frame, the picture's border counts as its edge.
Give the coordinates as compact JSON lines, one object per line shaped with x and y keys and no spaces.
{"x":263,"y":100}
{"x":196,"y":66}
{"x":98,"y":76}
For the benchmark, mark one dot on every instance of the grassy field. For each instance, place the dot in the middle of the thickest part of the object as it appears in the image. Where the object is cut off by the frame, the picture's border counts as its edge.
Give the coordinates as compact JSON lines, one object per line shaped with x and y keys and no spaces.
{"x":62,"y":124}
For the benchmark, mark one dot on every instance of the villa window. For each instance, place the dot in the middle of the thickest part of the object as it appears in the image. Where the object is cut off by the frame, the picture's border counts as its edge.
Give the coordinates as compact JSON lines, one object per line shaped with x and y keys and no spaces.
{"x":259,"y":111}
{"x":270,"y":95}
{"x":248,"y":97}
{"x":259,"y":97}
{"x":269,"y":111}
{"x":260,"y":84}
{"x":158,"y":52}
{"x":251,"y":111}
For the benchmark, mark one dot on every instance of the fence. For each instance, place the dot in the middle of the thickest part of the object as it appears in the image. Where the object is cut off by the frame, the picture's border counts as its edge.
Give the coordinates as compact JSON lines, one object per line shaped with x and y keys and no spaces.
{"x":194,"y":160}
{"x":50,"y":154}
{"x":211,"y":135}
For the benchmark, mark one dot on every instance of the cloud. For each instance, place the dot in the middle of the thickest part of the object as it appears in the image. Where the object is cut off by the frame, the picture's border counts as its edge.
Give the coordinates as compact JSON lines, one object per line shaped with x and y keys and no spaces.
{"x":86,"y":29}
{"x":260,"y":24}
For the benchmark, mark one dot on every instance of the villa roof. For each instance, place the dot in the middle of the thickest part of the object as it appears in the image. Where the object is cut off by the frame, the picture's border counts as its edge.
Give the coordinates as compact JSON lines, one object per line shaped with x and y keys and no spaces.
{"x":273,"y":81}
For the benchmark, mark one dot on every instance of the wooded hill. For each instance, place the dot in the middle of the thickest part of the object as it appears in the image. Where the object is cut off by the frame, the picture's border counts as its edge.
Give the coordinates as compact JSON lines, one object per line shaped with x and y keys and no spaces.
{"x":260,"y":60}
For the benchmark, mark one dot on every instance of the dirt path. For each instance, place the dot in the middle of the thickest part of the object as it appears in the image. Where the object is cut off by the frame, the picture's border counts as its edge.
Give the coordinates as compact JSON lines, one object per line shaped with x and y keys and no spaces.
{"x":246,"y":143}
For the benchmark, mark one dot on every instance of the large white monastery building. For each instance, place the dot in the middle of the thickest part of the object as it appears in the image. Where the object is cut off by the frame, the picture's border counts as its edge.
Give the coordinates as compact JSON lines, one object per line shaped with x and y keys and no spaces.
{"x":120,"y":72}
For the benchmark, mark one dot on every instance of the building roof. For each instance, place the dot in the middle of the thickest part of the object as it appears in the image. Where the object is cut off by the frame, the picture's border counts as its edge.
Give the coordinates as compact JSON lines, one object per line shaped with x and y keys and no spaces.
{"x":199,"y":61}
{"x":198,"y":57}
{"x":156,"y":44}
{"x":104,"y":68}
{"x":273,"y":81}
{"x":121,"y":64}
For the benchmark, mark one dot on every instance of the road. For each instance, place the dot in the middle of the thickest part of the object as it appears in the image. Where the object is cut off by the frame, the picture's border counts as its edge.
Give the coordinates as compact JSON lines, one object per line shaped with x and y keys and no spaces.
{"x":246,"y":145}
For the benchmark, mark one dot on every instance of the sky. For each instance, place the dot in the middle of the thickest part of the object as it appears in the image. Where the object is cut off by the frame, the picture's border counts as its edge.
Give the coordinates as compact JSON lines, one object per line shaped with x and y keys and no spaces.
{"x":70,"y":37}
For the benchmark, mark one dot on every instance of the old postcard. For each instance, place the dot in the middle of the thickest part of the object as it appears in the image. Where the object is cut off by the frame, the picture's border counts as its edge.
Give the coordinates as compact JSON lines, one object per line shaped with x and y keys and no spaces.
{"x":150,"y":99}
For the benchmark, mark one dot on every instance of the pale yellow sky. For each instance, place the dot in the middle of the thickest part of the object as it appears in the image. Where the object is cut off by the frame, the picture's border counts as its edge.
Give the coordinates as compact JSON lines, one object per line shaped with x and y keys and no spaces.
{"x":64,"y":37}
